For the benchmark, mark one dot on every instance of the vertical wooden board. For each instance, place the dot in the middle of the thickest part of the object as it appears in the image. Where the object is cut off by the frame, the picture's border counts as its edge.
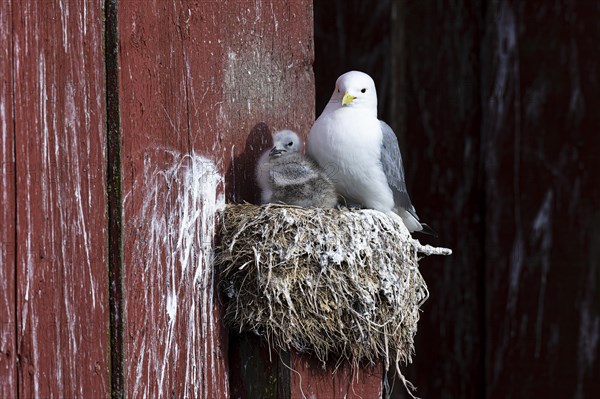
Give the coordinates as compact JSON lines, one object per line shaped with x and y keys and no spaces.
{"x":541,"y":123}
{"x":346,"y":40}
{"x":268,"y":84}
{"x":255,"y":372}
{"x":436,"y":111}
{"x":202,"y":85}
{"x":310,"y":380}
{"x":8,"y":365}
{"x":62,"y":304}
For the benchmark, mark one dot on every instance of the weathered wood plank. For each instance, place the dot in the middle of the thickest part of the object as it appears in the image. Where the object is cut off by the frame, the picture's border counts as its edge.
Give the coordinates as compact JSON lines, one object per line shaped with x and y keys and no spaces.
{"x":310,"y":380}
{"x":496,"y":108}
{"x":8,"y":352}
{"x":201,"y":86}
{"x":258,"y":373}
{"x":171,"y":325}
{"x":62,"y":312}
{"x":346,"y":40}
{"x":255,"y":372}
{"x":541,"y":124}
{"x":437,"y":113}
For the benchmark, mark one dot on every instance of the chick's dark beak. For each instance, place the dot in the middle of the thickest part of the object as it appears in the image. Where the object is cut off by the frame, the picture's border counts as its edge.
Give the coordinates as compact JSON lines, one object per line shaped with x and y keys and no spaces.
{"x":276,"y":152}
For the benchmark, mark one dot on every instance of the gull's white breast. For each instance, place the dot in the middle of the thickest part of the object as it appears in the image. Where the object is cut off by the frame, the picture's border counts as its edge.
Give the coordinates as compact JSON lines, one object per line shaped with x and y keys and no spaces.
{"x":347,"y":143}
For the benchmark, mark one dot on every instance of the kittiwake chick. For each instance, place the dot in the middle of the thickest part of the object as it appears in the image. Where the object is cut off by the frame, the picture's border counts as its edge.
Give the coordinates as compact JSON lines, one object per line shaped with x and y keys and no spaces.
{"x":286,"y":176}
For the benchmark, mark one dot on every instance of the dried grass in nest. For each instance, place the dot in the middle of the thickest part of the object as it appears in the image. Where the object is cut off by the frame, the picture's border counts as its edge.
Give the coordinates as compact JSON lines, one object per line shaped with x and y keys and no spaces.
{"x":332,"y":282}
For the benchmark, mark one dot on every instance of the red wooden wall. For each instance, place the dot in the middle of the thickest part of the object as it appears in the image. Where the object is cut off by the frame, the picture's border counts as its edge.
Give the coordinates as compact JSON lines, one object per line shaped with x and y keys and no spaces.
{"x":54,"y":280}
{"x":125,"y":126}
{"x":8,"y":370}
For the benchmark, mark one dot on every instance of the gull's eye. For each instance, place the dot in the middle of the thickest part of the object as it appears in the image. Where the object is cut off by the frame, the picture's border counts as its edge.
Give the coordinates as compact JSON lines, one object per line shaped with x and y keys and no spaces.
{"x":291,"y":143}
{"x":363,"y":90}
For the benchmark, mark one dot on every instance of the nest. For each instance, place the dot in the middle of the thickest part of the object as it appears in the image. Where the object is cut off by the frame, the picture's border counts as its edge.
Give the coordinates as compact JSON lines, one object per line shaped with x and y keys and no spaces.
{"x":335,"y":283}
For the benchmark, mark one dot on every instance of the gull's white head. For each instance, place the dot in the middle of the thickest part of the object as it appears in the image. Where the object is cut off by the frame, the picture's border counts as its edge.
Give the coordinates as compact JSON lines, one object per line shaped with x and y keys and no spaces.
{"x":355,"y":89}
{"x":285,"y":141}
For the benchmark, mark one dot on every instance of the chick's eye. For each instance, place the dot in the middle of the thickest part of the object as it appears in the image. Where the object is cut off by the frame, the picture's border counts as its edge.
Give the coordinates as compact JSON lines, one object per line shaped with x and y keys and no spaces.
{"x":291,"y":143}
{"x":338,"y":90}
{"x":363,"y":90}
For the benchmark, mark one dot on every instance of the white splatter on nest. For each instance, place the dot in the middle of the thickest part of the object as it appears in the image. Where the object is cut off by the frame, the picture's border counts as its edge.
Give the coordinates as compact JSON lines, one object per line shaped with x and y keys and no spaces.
{"x":336,"y":283}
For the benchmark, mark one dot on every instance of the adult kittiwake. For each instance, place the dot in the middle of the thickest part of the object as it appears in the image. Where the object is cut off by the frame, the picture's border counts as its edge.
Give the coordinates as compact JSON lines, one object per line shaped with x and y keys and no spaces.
{"x":361,"y":152}
{"x":286,"y":176}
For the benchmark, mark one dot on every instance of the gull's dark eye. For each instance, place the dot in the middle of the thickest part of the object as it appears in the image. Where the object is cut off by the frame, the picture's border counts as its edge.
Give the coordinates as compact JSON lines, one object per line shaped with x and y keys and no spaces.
{"x":291,"y":143}
{"x":363,"y":90}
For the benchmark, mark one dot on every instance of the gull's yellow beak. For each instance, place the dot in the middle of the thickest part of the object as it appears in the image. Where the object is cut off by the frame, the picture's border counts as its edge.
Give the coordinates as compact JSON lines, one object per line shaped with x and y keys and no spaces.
{"x":347,"y":99}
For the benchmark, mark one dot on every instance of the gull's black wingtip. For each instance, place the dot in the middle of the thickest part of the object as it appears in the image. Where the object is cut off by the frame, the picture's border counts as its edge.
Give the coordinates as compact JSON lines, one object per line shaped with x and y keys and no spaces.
{"x":428,"y":230}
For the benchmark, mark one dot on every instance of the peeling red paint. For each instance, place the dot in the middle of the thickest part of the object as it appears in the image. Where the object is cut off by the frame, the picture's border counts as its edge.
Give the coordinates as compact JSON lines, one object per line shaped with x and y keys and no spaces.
{"x":61,"y":279}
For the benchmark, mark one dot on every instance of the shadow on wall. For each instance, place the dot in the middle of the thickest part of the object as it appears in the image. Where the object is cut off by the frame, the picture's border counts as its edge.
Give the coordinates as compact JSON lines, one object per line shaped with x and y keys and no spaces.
{"x":242,"y":168}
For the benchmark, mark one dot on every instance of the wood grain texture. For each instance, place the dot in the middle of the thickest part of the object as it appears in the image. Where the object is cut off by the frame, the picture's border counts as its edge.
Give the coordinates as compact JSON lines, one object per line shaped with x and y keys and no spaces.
{"x":62,"y":312}
{"x":495,"y":105}
{"x":256,"y":372}
{"x":437,"y":114}
{"x":8,"y":352}
{"x":346,"y":40}
{"x":310,"y":380}
{"x":202,"y":86}
{"x":540,"y":131}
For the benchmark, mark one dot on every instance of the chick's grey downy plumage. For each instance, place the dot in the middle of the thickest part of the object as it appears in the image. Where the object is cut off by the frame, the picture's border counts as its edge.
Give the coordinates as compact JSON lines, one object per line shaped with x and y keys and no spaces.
{"x":286,"y":176}
{"x":297,"y":180}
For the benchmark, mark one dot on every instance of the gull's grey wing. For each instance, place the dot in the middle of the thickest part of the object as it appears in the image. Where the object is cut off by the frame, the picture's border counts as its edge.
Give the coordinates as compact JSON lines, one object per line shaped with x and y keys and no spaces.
{"x":391,"y":162}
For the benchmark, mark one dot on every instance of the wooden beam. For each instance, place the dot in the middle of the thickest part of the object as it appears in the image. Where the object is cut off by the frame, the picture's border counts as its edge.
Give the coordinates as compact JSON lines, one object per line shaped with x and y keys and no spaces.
{"x":540,"y":141}
{"x":437,"y":114}
{"x":202,"y":86}
{"x":8,"y":330}
{"x":258,"y":373}
{"x":61,"y":240}
{"x":310,"y":379}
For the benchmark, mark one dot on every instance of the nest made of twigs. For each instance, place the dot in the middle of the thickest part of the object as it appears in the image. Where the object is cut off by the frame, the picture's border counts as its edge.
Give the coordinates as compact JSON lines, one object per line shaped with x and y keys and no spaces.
{"x":331,"y":282}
